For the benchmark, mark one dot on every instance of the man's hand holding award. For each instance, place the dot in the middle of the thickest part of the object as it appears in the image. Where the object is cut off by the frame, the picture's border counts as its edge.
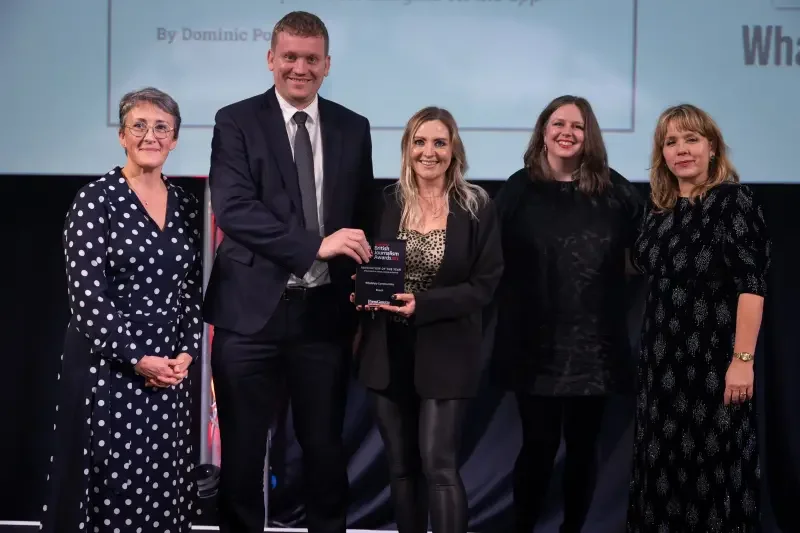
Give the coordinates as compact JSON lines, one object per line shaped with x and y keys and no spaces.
{"x":380,"y":283}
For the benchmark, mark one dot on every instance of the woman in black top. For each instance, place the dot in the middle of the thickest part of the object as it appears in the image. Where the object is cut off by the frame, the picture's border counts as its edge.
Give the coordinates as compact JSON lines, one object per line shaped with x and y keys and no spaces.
{"x":421,"y":359}
{"x":561,"y":344}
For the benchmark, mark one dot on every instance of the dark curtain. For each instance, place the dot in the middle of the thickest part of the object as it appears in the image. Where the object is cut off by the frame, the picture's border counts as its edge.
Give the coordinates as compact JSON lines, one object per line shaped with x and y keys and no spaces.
{"x":35,"y":312}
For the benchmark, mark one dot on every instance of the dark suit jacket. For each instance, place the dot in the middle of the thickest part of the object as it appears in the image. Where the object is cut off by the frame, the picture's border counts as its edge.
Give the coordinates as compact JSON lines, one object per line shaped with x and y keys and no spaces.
{"x":255,"y":197}
{"x":448,"y":316}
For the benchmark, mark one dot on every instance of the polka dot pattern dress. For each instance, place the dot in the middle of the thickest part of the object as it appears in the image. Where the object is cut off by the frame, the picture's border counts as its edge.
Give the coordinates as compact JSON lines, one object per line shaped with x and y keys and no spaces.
{"x":122,"y":458}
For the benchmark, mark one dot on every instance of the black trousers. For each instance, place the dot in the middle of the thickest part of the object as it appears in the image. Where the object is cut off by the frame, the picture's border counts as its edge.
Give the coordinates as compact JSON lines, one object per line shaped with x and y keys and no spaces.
{"x":543,"y":418}
{"x":301,"y":349}
{"x":421,"y":437}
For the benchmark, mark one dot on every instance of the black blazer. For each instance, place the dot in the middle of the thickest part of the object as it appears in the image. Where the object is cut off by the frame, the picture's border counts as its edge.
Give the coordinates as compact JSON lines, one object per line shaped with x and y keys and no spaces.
{"x":448,"y":316}
{"x":255,"y":197}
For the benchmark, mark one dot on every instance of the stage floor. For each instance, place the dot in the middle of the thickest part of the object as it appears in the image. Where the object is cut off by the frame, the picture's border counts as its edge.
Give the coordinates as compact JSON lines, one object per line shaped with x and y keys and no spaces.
{"x":12,"y":526}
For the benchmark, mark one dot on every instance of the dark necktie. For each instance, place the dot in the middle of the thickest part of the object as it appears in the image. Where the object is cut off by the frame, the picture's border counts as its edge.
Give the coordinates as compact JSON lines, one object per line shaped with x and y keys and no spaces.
{"x":304,"y":161}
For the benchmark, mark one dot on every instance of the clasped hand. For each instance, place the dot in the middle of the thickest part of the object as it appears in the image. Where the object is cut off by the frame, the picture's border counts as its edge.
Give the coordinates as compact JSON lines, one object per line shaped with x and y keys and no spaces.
{"x":406,"y":310}
{"x":163,"y":372}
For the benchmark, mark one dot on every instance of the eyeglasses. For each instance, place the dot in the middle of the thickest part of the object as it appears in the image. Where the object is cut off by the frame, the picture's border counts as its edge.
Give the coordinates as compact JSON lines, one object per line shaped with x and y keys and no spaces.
{"x":160,"y":131}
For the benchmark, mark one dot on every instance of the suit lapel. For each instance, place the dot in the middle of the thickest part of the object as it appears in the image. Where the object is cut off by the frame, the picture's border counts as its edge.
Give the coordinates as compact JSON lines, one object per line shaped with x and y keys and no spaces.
{"x":275,"y":129}
{"x":455,"y":245}
{"x":331,"y":152}
{"x":390,"y":220}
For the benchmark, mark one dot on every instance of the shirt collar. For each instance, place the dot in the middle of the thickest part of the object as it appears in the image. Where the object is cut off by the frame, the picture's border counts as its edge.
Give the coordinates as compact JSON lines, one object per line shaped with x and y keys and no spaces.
{"x":289,"y":110}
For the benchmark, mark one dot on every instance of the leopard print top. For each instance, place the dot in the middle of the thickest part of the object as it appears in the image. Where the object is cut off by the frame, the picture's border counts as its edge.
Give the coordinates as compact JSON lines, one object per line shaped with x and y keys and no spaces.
{"x":424,"y":253}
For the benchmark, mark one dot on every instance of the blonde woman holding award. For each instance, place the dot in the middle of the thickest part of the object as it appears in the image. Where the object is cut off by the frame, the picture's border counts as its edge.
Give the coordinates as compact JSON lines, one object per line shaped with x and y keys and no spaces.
{"x":419,"y":356}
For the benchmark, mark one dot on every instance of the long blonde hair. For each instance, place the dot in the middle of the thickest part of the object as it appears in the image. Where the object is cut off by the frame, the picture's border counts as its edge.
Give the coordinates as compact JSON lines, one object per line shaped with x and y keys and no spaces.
{"x":664,"y":190}
{"x":467,"y":195}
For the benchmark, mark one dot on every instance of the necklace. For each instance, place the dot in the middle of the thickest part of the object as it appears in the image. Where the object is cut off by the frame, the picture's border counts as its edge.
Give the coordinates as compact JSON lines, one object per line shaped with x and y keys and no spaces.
{"x":142,"y":199}
{"x":434,"y":210}
{"x":139,"y":196}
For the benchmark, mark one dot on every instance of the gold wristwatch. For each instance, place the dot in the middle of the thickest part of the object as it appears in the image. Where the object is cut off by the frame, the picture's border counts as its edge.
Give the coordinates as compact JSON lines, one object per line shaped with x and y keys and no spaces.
{"x":744,"y":356}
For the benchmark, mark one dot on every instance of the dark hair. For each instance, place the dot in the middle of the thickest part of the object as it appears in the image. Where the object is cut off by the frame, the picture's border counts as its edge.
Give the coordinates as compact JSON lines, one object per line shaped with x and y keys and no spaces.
{"x":300,"y":24}
{"x":149,"y":95}
{"x":593,"y":175}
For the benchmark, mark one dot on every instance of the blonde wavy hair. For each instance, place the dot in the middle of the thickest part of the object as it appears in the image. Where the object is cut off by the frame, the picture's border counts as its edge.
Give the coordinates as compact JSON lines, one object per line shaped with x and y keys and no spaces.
{"x":467,"y":195}
{"x":664,"y":190}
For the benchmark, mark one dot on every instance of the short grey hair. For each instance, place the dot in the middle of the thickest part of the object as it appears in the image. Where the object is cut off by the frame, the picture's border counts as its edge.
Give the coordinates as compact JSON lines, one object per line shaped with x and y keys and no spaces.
{"x":149,"y":95}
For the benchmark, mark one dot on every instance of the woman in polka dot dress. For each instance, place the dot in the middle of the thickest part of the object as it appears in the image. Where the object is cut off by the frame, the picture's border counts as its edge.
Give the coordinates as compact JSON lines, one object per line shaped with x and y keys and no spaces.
{"x":122,"y":457}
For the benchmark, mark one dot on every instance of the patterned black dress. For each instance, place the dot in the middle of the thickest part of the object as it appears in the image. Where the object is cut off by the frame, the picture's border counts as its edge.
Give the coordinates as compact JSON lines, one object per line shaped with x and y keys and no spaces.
{"x":123,"y":458}
{"x":696,"y":466}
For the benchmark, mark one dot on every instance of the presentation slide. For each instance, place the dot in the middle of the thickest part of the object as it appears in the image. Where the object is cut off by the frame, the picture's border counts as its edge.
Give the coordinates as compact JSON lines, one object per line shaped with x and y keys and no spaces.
{"x":493,"y":63}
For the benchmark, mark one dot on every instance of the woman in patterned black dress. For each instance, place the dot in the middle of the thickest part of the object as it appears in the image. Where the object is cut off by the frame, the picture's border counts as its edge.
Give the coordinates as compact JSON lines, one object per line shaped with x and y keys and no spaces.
{"x":123,"y":456}
{"x":705,"y":250}
{"x":561,"y":345}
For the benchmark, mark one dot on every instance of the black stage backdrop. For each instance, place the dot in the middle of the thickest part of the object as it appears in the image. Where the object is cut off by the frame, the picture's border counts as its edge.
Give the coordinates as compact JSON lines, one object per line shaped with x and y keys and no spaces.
{"x":35,"y":312}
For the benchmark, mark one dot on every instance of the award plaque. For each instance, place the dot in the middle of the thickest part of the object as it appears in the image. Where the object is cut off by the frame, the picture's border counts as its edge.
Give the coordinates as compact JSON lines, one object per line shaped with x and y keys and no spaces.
{"x":384,"y":275}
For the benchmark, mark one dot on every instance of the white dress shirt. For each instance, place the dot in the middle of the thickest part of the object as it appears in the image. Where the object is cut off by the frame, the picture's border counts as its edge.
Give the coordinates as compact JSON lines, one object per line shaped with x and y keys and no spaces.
{"x":318,"y":273}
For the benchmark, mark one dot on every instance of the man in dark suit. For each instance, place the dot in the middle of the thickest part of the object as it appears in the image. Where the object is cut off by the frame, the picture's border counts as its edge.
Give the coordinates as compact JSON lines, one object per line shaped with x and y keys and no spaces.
{"x":290,"y":179}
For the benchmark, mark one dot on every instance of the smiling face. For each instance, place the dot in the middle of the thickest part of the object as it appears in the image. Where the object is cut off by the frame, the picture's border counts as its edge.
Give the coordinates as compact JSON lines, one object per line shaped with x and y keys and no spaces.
{"x":564,"y":134}
{"x":687,"y":154}
{"x":298,"y":65}
{"x":431,"y":151}
{"x":148,"y":136}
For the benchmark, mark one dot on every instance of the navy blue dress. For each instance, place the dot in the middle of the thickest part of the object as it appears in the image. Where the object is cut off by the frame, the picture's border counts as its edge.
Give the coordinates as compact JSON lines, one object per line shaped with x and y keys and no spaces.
{"x":122,"y":458}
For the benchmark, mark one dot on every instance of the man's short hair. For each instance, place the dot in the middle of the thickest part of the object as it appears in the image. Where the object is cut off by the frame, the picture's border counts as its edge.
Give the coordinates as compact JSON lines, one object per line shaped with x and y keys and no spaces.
{"x":301,"y":24}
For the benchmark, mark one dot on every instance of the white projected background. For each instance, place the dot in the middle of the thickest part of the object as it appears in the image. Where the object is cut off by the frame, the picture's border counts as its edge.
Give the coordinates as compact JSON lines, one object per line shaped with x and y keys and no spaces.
{"x":494,"y":63}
